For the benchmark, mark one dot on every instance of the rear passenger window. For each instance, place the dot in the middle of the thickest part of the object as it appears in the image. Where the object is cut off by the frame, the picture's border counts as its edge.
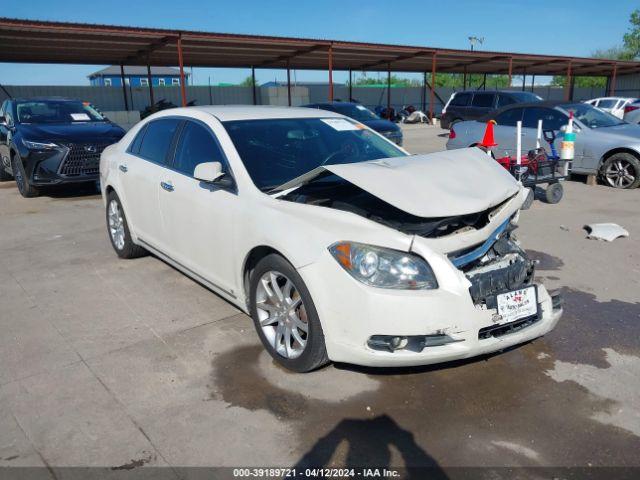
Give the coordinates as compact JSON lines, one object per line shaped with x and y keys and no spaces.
{"x":504,"y":100}
{"x":461,"y":100}
{"x":157,"y":139}
{"x":510,"y":117}
{"x":551,"y":119}
{"x":196,"y":145}
{"x":483,"y":100}
{"x":135,"y":145}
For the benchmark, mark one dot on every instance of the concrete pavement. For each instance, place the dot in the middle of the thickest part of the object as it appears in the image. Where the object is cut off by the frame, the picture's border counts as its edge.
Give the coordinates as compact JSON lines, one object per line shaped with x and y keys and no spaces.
{"x":107,"y":362}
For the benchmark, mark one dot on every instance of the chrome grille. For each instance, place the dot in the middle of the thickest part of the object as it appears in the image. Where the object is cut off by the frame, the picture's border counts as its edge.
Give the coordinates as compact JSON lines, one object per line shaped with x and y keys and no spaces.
{"x":82,"y":159}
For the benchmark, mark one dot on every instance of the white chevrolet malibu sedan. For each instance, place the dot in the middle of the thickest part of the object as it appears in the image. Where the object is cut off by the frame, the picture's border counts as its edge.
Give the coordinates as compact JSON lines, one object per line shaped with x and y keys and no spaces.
{"x":339,"y":244}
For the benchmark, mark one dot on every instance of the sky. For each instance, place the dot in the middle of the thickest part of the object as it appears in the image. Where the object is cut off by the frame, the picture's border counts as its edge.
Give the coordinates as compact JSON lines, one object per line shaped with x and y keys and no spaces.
{"x":560,"y":27}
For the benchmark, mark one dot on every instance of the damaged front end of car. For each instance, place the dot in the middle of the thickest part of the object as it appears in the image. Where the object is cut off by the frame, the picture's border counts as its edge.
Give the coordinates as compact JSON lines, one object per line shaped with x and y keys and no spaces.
{"x":463,"y":227}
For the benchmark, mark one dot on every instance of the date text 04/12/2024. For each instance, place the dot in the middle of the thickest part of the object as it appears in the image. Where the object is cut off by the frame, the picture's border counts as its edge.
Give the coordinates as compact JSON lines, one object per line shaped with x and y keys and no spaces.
{"x":315,"y":473}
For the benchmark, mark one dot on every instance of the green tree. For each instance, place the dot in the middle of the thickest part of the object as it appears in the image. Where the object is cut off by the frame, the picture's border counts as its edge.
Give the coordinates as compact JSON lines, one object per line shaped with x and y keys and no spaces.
{"x":248,"y":82}
{"x":453,"y":80}
{"x":632,"y":37}
{"x":629,"y":50}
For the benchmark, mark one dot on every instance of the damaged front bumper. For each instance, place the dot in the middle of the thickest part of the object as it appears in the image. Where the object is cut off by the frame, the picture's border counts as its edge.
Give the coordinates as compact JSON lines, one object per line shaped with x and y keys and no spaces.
{"x":431,"y":326}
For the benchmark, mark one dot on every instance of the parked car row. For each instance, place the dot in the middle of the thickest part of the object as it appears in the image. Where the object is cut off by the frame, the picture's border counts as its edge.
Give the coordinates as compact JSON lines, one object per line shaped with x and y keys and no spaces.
{"x":604,"y":145}
{"x":614,"y":105}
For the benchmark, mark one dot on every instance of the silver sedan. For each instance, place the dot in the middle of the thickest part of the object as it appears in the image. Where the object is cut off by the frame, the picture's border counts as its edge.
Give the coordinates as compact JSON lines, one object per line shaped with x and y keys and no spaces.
{"x":605,"y":145}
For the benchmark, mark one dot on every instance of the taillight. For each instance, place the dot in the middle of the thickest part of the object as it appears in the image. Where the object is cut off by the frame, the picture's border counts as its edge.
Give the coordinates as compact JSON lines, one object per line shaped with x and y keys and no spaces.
{"x":630,"y":108}
{"x":452,"y":133}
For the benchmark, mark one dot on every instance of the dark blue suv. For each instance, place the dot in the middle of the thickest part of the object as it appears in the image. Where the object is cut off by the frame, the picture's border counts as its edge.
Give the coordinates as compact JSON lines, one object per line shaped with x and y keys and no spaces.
{"x":52,"y":141}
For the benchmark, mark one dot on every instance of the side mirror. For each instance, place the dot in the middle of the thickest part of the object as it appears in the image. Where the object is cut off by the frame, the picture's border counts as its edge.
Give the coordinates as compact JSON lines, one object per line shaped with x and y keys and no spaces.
{"x":208,"y":172}
{"x":3,"y":122}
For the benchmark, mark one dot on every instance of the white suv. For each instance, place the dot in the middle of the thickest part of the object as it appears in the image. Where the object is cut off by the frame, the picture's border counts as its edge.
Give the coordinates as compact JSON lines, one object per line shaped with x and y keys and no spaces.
{"x":339,"y":244}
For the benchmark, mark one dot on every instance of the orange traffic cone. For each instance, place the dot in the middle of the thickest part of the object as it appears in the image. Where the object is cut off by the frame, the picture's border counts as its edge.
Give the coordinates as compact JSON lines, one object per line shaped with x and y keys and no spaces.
{"x":488,"y":141}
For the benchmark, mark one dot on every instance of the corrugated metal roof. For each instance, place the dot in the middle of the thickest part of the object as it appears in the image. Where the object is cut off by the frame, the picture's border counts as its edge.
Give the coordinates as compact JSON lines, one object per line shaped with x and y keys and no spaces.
{"x":59,"y":42}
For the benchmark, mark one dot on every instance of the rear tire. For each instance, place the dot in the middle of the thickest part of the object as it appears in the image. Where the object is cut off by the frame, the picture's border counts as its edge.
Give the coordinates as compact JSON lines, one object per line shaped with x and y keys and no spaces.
{"x":285,"y":316}
{"x":118,"y":230}
{"x":24,"y":184}
{"x":621,"y":170}
{"x":554,"y":193}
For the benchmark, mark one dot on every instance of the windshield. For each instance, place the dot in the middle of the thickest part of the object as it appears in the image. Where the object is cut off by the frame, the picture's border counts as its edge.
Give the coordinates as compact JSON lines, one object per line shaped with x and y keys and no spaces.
{"x":591,"y":116}
{"x":275,"y":151}
{"x":52,"y":111}
{"x":357,"y":112}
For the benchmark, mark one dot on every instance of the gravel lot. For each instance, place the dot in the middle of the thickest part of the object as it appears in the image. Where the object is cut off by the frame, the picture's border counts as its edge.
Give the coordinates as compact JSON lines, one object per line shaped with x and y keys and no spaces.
{"x":106,"y":362}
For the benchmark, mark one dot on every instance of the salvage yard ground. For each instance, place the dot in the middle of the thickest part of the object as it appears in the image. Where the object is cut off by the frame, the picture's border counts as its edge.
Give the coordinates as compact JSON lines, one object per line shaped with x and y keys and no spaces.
{"x":127,"y":363}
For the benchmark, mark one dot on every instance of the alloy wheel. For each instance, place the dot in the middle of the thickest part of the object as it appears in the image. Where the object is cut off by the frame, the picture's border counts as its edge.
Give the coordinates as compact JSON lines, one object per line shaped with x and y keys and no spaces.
{"x":282,"y":314}
{"x":620,"y":173}
{"x":116,"y":225}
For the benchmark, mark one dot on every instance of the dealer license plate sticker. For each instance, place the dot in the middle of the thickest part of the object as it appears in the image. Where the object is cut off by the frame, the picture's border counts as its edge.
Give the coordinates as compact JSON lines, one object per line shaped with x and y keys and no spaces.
{"x":517,"y":304}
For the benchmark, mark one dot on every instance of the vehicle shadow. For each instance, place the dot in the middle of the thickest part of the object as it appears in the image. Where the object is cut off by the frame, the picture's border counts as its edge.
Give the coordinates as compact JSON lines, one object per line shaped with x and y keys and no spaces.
{"x":368,"y":443}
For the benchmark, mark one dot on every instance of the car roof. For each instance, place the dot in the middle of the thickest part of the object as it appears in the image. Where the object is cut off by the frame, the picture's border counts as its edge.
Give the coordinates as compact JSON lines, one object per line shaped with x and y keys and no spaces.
{"x":544,"y":103}
{"x":493,"y":91}
{"x":228,"y":113}
{"x":330,"y":104}
{"x":45,"y":99}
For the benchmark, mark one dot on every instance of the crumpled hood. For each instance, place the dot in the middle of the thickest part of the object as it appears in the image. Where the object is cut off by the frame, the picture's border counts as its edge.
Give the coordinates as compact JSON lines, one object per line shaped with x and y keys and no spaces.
{"x":442,"y":184}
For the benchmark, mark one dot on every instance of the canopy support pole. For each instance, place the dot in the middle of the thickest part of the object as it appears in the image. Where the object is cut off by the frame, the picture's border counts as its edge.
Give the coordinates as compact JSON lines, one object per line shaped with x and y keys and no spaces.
{"x":331,"y":73}
{"x":288,"y":84}
{"x":124,"y":88}
{"x":433,"y":86}
{"x":253,"y":84}
{"x":150,"y":82}
{"x":183,"y":91}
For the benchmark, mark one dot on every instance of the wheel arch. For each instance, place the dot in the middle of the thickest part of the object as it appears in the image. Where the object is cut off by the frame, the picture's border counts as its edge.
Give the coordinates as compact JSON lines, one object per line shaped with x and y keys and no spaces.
{"x":251,"y":260}
{"x":613,"y":151}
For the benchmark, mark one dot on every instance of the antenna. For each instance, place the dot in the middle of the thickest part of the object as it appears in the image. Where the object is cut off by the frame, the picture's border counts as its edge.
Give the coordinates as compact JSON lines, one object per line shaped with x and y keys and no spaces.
{"x":473,"y":40}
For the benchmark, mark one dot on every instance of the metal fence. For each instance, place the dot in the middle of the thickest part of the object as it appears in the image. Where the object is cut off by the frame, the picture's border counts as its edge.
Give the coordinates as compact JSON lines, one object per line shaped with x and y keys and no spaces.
{"x":111,"y":98}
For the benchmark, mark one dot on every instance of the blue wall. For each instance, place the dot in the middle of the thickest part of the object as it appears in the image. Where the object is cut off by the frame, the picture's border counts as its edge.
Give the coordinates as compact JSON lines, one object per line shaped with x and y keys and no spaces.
{"x":134,"y":80}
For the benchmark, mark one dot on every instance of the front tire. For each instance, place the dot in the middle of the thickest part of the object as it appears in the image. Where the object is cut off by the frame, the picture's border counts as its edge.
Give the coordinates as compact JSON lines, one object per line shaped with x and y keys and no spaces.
{"x":118,"y":230}
{"x":285,"y":317}
{"x":24,"y":184}
{"x":621,"y":170}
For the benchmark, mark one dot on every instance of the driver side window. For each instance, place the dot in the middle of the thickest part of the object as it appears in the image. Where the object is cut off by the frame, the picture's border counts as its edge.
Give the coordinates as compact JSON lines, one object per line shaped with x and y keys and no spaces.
{"x":196,"y":145}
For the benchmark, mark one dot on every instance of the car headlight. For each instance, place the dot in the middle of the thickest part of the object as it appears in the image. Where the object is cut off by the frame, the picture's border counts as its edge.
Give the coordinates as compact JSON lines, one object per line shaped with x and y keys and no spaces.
{"x":38,"y":145}
{"x":384,"y":267}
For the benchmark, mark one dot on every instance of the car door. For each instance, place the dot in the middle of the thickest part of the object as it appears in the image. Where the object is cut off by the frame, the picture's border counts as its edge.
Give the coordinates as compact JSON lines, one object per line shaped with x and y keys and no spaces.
{"x":140,"y":172}
{"x":198,"y":217}
{"x":505,"y":131}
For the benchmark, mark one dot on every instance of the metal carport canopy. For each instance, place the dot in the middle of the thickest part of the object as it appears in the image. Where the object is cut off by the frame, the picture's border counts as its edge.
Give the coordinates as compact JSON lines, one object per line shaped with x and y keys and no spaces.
{"x":74,"y":43}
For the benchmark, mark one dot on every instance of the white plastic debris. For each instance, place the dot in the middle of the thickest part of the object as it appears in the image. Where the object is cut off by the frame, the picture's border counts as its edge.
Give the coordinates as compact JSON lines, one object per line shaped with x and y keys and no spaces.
{"x":605,"y":231}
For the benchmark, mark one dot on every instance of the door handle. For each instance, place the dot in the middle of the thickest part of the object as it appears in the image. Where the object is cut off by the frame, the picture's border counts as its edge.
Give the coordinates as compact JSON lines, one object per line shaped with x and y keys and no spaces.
{"x":168,"y":186}
{"x":123,"y":168}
